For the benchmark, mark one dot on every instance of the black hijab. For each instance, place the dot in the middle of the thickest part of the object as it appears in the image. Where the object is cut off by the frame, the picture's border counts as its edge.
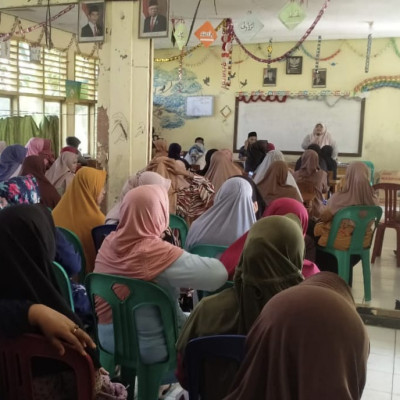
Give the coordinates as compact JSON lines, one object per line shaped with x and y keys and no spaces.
{"x":255,"y":154}
{"x":174,"y":151}
{"x":208,"y":160}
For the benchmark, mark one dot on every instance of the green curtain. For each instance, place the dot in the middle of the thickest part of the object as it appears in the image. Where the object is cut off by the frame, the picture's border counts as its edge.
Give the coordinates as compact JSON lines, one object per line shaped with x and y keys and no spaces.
{"x":18,"y":130}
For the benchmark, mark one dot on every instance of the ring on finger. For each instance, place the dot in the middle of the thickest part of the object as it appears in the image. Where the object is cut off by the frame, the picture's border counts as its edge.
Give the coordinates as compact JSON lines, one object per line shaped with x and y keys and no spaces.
{"x":75,"y":328}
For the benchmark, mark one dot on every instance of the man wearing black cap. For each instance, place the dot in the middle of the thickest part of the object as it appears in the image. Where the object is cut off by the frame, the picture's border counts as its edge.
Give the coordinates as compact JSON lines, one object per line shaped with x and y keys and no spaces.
{"x":92,"y":28}
{"x":155,"y":22}
{"x":251,"y":138}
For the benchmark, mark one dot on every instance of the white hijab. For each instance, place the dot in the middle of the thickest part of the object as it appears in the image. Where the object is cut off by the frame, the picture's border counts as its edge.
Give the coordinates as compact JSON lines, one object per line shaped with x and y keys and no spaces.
{"x":229,"y":218}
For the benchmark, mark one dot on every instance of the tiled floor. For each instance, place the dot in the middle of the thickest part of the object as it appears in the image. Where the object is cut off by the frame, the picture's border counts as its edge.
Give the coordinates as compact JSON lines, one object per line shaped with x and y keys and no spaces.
{"x":383,"y":377}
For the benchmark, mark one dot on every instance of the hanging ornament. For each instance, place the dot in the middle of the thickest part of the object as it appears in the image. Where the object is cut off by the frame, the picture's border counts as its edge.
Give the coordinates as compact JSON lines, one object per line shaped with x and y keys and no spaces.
{"x":291,"y":15}
{"x":206,"y":34}
{"x":317,"y":54}
{"x":180,"y":34}
{"x":226,"y":53}
{"x":269,"y":51}
{"x":5,"y":49}
{"x":248,"y":27}
{"x":369,"y":44}
{"x":35,"y":54}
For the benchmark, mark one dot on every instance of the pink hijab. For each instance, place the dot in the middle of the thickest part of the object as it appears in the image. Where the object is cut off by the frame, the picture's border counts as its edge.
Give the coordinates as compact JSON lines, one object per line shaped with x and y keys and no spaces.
{"x":356,"y":191}
{"x":38,"y":146}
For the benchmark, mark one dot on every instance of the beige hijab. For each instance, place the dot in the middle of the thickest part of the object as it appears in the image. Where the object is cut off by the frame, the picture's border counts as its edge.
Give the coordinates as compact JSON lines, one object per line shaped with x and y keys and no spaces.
{"x":61,"y":173}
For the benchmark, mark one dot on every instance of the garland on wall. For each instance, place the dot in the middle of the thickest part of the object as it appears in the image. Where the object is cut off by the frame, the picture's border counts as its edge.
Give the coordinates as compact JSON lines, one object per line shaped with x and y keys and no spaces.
{"x":283,"y":95}
{"x":378,"y":82}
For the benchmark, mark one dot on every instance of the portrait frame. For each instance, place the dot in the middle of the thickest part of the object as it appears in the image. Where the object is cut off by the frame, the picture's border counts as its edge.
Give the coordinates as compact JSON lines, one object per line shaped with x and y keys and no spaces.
{"x":272,"y":72}
{"x":85,"y":33}
{"x":318,"y":78}
{"x":144,"y":19}
{"x":294,"y":65}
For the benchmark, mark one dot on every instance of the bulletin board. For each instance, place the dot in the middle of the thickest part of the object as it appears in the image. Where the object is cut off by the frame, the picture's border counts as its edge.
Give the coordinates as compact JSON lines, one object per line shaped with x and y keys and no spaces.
{"x":200,"y":106}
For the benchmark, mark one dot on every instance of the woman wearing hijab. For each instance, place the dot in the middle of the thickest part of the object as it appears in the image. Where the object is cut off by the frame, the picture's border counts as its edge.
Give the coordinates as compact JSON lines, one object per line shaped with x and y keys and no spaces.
{"x":232,"y":214}
{"x":174,"y":152}
{"x":310,"y":172}
{"x":27,"y":244}
{"x":19,"y":190}
{"x":79,"y":209}
{"x":136,"y":250}
{"x":139,"y":179}
{"x":283,"y":206}
{"x":160,"y":148}
{"x":322,"y":163}
{"x":61,"y":173}
{"x":221,"y":169}
{"x":274,"y":184}
{"x":321,"y":137}
{"x":309,"y":343}
{"x":357,"y":191}
{"x":331,"y":164}
{"x":34,"y":165}
{"x":11,"y":161}
{"x":208,"y":155}
{"x":255,"y":155}
{"x":40,"y":147}
{"x":271,"y":261}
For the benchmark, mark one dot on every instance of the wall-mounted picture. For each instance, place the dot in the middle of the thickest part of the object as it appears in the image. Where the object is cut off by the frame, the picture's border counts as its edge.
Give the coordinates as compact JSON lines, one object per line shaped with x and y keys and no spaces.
{"x":153,"y":18}
{"x":294,"y":65}
{"x":269,"y":77}
{"x":319,"y":78}
{"x":91,"y":21}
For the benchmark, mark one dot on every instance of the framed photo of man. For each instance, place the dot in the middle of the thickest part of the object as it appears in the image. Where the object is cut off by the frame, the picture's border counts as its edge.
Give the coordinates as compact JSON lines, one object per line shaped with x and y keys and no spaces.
{"x":91,"y":21}
{"x":319,"y":78}
{"x":154,"y":19}
{"x":269,"y":77}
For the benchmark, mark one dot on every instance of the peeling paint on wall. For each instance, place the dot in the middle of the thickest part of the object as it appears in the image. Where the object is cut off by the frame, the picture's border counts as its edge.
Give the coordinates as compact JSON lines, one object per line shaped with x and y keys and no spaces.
{"x":102,"y":137}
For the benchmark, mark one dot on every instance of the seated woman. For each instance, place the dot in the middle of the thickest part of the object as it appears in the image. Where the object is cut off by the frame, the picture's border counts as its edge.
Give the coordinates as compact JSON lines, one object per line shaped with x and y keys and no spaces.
{"x":139,"y":179}
{"x":287,"y":352}
{"x":207,"y":158}
{"x":136,"y":250}
{"x":310,"y":173}
{"x":41,"y":147}
{"x":232,"y":214}
{"x":11,"y":161}
{"x":27,"y":244}
{"x":283,"y":206}
{"x":322,"y":162}
{"x":274,"y":184}
{"x":221,"y":169}
{"x":160,"y":148}
{"x":78,"y":209}
{"x":357,"y":191}
{"x":255,"y":155}
{"x":34,"y":165}
{"x":331,"y":164}
{"x":271,"y":261}
{"x":61,"y":173}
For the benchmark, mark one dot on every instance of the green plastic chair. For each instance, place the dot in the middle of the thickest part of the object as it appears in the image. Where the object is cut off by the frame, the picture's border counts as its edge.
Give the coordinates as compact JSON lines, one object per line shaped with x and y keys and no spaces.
{"x":361,"y":217}
{"x":64,"y":284}
{"x":177,"y":222}
{"x":371,"y":167}
{"x":76,"y":242}
{"x":126,"y":352}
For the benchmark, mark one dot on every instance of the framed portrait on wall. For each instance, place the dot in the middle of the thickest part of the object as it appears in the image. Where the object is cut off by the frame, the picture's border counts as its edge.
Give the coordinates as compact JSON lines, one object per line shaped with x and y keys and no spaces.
{"x":154,"y":20}
{"x":269,"y":77}
{"x":91,"y":21}
{"x":319,"y":78}
{"x":294,"y":65}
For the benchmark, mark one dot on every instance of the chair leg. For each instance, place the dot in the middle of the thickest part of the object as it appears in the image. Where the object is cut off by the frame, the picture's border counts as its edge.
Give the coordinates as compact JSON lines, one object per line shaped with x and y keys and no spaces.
{"x":376,"y":252}
{"x":366,"y":275}
{"x":343,"y":263}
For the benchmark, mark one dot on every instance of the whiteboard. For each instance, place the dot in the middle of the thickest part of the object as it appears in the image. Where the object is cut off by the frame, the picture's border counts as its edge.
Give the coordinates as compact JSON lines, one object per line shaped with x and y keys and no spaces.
{"x":199,"y":106}
{"x":286,"y":124}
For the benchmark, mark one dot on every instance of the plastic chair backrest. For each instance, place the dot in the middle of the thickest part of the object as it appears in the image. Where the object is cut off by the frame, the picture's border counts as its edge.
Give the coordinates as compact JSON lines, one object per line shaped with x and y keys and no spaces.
{"x":16,"y":360}
{"x":231,"y":347}
{"x":100,"y":232}
{"x":64,"y":284}
{"x":391,"y":201}
{"x":76,"y":242}
{"x":177,"y":222}
{"x":371,"y":168}
{"x":208,"y":250}
{"x":126,"y":340}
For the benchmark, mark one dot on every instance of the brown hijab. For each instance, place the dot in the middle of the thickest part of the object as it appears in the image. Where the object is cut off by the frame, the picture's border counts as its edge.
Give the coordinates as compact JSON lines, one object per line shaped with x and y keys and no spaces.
{"x":273,"y":185}
{"x":35,"y":166}
{"x":308,"y":343}
{"x":221,"y":168}
{"x":357,"y":189}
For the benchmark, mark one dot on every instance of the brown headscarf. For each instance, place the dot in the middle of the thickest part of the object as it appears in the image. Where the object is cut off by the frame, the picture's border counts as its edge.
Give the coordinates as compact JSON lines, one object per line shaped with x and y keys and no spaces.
{"x":221,"y":169}
{"x":357,"y":189}
{"x":161,"y":147}
{"x":308,"y":343}
{"x":273,"y":185}
{"x":35,"y":166}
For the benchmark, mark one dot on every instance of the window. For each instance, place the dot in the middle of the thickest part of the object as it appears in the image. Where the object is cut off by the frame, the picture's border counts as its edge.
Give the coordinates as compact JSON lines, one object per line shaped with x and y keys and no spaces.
{"x":86,"y":72}
{"x":82,"y":126}
{"x":5,"y":107}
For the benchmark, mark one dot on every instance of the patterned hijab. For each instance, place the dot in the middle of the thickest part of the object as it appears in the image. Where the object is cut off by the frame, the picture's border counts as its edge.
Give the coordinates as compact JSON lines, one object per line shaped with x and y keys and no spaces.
{"x":356,"y":191}
{"x":20,"y":190}
{"x":11,"y":161}
{"x":78,"y":210}
{"x":302,"y":335}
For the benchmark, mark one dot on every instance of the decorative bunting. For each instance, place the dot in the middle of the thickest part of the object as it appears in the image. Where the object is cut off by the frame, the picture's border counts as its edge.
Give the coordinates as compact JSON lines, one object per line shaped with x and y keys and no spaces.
{"x":318,"y":54}
{"x":5,"y":49}
{"x":368,"y":56}
{"x":206,"y":34}
{"x":226,"y":53}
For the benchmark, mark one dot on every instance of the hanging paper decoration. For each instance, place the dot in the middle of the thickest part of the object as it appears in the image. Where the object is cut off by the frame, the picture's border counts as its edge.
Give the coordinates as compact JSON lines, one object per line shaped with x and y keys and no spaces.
{"x":180,"y":34}
{"x":226,"y":53}
{"x":73,"y":91}
{"x":206,"y":34}
{"x":35,"y":53}
{"x":378,"y":82}
{"x":291,"y":15}
{"x":317,"y":55}
{"x":368,"y":56}
{"x":5,"y":49}
{"x":248,"y":27}
{"x":269,"y":50}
